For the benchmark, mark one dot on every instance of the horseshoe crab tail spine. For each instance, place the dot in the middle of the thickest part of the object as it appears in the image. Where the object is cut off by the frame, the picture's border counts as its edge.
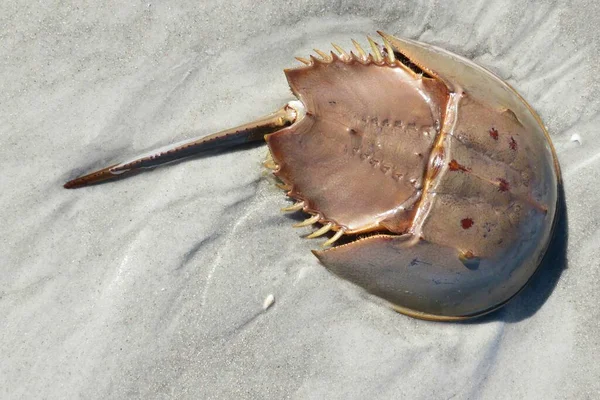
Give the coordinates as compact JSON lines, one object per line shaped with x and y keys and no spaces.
{"x":251,"y":132}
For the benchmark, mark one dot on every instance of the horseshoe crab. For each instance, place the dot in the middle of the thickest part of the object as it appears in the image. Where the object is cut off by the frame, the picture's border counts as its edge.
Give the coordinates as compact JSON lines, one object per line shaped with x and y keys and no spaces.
{"x":439,"y":176}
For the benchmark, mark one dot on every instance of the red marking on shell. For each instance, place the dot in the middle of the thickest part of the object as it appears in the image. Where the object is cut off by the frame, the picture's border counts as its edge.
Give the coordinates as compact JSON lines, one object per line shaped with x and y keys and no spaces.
{"x":494,"y":133}
{"x":503,"y":185}
{"x":512,"y":144}
{"x":456,"y":166}
{"x":466,"y":223}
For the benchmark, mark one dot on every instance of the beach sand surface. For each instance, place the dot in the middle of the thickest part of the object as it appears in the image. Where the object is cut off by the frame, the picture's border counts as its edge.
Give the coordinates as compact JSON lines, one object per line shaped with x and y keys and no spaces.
{"x":154,"y":286}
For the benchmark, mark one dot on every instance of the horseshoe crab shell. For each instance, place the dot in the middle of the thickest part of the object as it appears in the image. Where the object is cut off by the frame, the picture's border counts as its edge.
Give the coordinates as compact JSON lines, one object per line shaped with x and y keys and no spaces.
{"x":439,"y":176}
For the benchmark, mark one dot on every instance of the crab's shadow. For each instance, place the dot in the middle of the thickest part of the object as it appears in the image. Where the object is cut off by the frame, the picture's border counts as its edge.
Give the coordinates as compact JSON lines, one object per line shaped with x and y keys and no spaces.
{"x":542,"y":284}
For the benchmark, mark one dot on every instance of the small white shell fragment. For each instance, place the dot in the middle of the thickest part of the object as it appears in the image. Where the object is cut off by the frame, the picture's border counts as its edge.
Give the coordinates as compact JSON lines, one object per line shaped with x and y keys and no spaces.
{"x":576,"y":138}
{"x":269,"y":300}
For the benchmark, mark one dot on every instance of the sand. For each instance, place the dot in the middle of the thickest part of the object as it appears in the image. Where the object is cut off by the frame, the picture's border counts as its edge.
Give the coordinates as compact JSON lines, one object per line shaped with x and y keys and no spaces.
{"x":158,"y":286}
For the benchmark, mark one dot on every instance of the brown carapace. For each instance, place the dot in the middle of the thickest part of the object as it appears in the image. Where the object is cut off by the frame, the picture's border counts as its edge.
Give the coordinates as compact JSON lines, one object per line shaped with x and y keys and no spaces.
{"x":439,"y":176}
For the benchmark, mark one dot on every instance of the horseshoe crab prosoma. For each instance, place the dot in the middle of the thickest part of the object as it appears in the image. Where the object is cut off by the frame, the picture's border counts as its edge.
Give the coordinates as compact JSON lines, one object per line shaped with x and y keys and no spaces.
{"x":441,"y":178}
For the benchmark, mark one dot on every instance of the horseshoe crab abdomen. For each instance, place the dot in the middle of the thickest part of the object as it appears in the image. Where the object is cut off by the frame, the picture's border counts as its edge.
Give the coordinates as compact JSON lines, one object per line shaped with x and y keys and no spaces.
{"x":358,"y":156}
